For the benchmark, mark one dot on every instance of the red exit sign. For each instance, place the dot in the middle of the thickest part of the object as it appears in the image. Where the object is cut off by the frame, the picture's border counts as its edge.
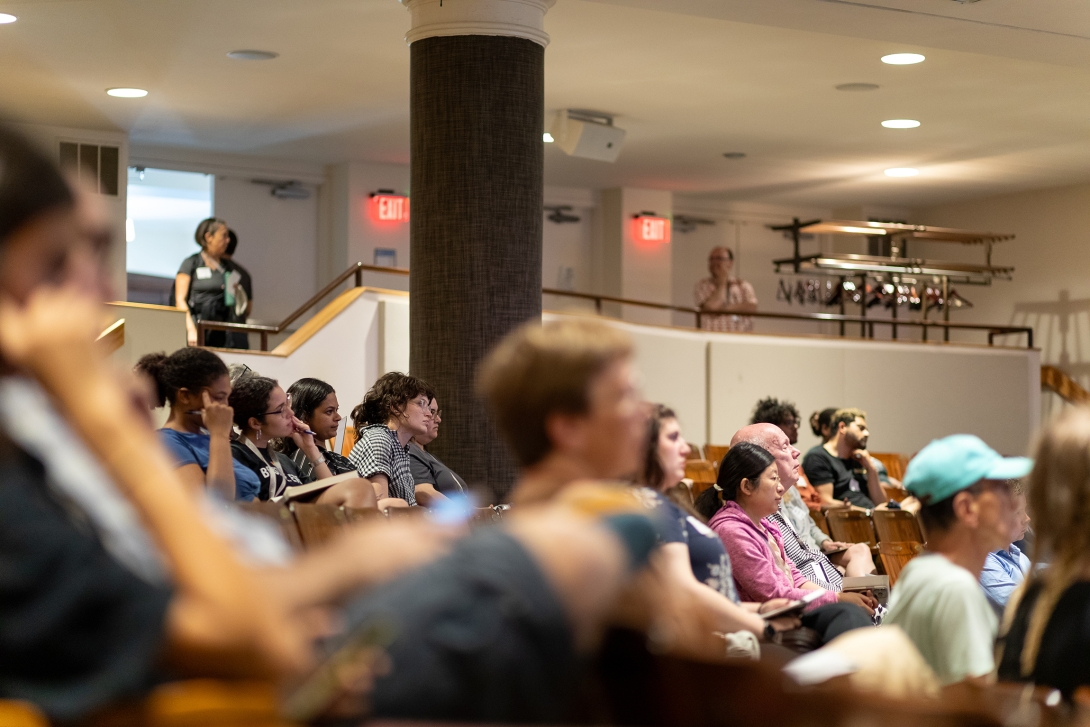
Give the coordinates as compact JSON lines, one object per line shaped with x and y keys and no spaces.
{"x":389,"y":207}
{"x":651,"y":228}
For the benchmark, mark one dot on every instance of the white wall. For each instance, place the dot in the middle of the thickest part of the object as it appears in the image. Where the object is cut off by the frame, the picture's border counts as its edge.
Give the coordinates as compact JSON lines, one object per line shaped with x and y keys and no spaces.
{"x":277,"y":243}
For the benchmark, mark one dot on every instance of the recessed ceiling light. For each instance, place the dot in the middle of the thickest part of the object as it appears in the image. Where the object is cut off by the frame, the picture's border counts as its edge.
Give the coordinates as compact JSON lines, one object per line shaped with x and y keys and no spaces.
{"x":900,"y":123}
{"x":735,"y":155}
{"x":252,"y":55}
{"x":857,"y":87}
{"x":547,"y":138}
{"x":903,"y":59}
{"x":126,"y":92}
{"x":6,"y":18}
{"x":902,"y":172}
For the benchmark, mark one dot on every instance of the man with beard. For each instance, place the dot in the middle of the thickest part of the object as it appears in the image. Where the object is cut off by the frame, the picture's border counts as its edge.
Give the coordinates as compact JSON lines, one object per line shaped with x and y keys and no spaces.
{"x":841,"y":470}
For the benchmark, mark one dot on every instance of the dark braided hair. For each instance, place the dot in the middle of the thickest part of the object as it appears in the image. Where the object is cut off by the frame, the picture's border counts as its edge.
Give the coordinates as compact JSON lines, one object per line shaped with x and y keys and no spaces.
{"x":388,"y":397}
{"x":186,"y":368}
{"x":744,"y":461}
{"x":250,"y":398}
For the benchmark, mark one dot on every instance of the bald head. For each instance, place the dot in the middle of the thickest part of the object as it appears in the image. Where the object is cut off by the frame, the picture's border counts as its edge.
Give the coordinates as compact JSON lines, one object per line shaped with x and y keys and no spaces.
{"x":772,"y":439}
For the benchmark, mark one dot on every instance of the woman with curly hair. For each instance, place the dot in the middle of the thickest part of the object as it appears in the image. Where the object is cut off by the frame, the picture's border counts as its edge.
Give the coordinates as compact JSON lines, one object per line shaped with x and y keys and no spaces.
{"x":392,"y":412}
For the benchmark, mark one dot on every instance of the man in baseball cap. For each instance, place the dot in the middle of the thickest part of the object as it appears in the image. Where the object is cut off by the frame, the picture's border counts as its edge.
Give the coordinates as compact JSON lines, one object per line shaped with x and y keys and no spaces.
{"x":967,"y":513}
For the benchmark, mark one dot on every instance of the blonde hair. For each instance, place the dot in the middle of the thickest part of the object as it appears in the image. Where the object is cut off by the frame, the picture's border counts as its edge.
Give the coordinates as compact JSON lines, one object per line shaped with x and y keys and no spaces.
{"x":541,"y":369}
{"x":1059,"y":502}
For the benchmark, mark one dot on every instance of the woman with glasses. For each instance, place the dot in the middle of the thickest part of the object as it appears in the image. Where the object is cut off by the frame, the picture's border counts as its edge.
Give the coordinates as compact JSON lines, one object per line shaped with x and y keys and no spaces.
{"x":430,"y":474}
{"x":263,"y":413}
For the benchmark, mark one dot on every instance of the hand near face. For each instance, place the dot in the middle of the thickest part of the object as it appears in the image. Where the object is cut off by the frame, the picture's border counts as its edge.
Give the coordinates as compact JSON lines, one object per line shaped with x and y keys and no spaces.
{"x":217,"y":416}
{"x":299,"y":435}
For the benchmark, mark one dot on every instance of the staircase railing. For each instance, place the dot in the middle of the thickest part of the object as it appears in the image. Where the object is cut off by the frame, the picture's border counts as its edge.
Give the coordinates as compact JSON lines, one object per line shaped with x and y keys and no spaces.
{"x":1067,"y":388}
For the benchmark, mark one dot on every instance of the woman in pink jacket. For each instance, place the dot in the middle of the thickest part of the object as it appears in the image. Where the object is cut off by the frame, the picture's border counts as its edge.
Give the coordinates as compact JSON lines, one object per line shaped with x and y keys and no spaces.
{"x":747,"y":491}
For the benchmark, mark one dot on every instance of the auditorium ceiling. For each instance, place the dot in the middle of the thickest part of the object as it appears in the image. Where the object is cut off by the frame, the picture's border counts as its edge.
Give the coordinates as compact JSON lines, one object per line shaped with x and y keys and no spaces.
{"x":1003,"y":97}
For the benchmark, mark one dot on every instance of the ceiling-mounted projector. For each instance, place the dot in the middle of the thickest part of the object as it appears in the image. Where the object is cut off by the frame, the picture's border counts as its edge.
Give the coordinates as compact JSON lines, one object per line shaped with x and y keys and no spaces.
{"x":587,"y":134}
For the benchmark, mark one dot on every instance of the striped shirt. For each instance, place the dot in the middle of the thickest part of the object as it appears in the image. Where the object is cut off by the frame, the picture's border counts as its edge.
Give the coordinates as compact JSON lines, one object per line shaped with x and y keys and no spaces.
{"x":378,"y":452}
{"x":811,"y":562}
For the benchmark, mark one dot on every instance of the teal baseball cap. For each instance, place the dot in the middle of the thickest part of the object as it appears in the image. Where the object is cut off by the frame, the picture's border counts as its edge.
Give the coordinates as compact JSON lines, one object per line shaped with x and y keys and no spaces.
{"x":951,"y":464}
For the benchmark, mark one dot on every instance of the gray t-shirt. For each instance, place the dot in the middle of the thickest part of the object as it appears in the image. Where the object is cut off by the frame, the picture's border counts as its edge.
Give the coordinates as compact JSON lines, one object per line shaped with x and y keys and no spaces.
{"x":941,"y":607}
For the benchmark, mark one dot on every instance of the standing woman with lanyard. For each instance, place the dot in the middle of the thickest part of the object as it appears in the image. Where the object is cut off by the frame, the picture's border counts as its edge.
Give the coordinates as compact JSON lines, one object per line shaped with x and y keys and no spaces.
{"x":206,"y":283}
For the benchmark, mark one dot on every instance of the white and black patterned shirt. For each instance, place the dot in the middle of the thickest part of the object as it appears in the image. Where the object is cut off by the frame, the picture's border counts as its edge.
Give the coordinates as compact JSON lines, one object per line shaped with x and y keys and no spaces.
{"x":811,"y":562}
{"x":378,"y":452}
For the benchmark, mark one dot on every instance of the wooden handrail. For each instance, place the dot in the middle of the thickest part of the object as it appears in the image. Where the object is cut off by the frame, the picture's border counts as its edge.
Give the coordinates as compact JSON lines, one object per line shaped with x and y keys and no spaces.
{"x":1067,"y":388}
{"x":357,"y":271}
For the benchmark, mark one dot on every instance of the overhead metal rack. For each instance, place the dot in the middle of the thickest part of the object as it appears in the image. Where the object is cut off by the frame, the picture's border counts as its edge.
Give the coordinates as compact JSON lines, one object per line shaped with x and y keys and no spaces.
{"x":898,"y":268}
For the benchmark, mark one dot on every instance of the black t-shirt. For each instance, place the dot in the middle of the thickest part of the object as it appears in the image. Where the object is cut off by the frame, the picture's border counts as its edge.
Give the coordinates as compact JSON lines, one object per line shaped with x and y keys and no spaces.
{"x":1063,"y":659}
{"x":207,"y":288}
{"x":848,"y":476}
{"x":427,"y":469}
{"x":272,"y":484}
{"x":78,"y":630}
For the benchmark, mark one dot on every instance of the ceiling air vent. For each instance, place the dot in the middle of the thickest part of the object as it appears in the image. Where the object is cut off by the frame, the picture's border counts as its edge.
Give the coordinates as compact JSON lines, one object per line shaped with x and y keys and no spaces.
{"x":96,"y":166}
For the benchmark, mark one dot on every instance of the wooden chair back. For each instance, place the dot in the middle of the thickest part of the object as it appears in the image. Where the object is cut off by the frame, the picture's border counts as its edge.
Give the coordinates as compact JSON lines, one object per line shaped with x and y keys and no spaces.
{"x":317,"y":523}
{"x":894,"y":493}
{"x":895,"y":463}
{"x":355,"y":515}
{"x":349,"y":440}
{"x":702,"y":473}
{"x":715,"y":453}
{"x":694,"y":452}
{"x":820,"y":520}
{"x":897,"y":526}
{"x":895,"y":556}
{"x":850,"y":526}
{"x":281,"y":515}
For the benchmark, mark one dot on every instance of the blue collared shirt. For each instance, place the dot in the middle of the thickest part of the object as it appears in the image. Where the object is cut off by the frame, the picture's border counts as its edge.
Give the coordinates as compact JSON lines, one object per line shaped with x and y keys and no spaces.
{"x":1004,"y":570}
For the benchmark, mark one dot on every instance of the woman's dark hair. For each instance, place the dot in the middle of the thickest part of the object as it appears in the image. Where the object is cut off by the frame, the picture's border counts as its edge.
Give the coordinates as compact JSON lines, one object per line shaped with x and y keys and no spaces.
{"x":30,"y":183}
{"x":232,"y":242}
{"x":773,"y":411}
{"x":744,"y":461}
{"x":306,"y":396}
{"x":250,"y":398}
{"x":821,"y":419}
{"x":651,"y":473}
{"x":205,"y":227}
{"x":186,"y":368}
{"x":388,"y":397}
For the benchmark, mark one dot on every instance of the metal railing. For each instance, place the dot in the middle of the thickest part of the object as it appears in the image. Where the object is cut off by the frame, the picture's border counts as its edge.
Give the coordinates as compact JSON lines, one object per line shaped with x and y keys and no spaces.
{"x":867,"y":324}
{"x":264,"y":331}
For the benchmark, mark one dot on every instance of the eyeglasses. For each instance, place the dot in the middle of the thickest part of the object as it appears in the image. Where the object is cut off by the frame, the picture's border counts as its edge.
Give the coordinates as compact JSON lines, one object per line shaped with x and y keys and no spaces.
{"x":436,"y":413}
{"x":282,"y":410}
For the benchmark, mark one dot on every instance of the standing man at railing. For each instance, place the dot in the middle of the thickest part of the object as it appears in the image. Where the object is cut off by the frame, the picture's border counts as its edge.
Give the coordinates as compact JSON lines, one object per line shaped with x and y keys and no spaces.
{"x":722,"y":294}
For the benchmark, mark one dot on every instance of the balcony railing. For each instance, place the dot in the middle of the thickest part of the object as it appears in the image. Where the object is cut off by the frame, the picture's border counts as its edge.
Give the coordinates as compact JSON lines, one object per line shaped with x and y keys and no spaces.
{"x":866,"y":324}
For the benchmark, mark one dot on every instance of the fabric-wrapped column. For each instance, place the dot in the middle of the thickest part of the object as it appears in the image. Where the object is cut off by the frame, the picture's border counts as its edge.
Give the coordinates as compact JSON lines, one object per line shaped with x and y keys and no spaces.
{"x":477,"y":108}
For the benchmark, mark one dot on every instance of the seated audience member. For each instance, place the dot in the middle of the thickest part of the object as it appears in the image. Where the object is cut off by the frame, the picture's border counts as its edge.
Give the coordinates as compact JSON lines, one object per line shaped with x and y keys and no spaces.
{"x":198,"y":430}
{"x":314,"y":403}
{"x":426,"y":468}
{"x":1046,"y":638}
{"x":821,"y":423}
{"x":841,"y":469}
{"x":746,"y":493}
{"x":563,"y":395}
{"x":94,"y":609}
{"x":392,"y":412}
{"x":810,"y":549}
{"x":1005,"y":569}
{"x":967,"y":512}
{"x":263,"y":413}
{"x":782,"y":414}
{"x":692,"y":548}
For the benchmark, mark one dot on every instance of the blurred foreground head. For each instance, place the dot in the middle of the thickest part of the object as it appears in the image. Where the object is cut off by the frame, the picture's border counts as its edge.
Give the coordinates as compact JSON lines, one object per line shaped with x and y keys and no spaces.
{"x":49,"y":234}
{"x":566,"y":390}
